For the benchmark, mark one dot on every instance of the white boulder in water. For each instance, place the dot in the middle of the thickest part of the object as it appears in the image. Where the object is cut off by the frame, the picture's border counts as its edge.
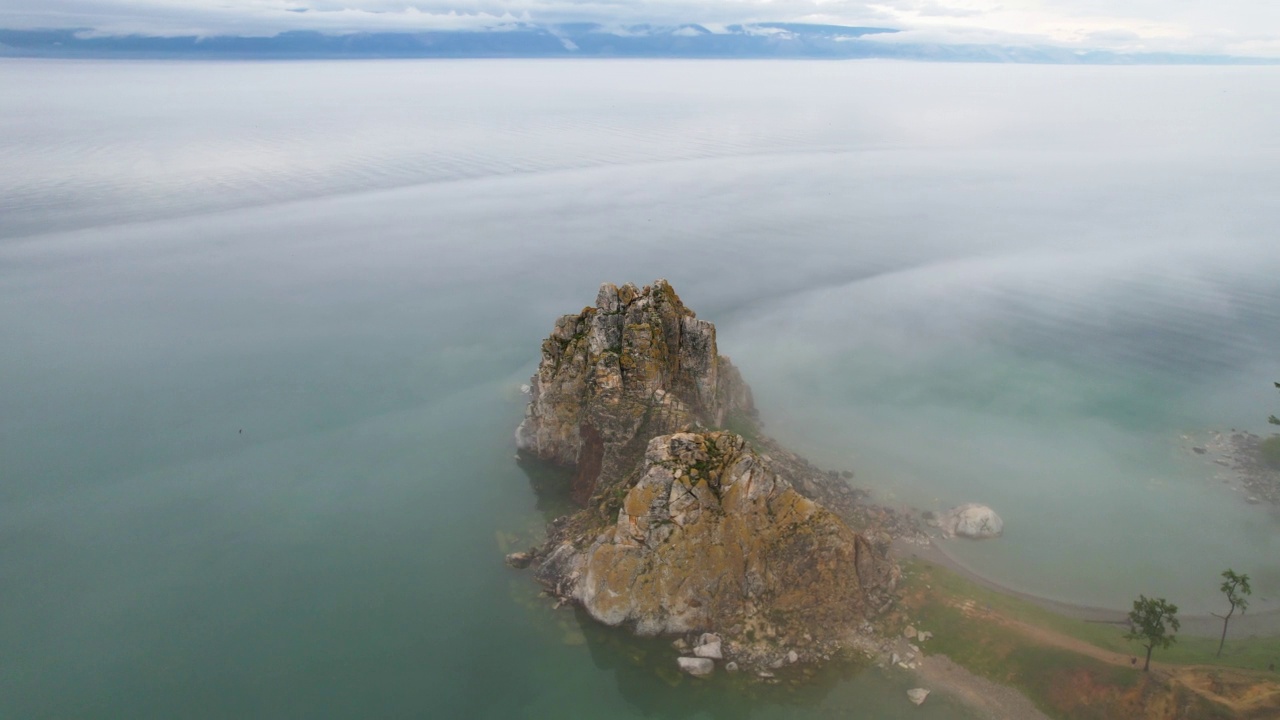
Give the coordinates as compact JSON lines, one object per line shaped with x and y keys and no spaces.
{"x":972,"y":520}
{"x":697,"y":667}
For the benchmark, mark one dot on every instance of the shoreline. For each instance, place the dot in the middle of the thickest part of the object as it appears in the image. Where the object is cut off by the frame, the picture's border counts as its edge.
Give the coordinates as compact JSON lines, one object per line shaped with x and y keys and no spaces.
{"x":1235,"y":458}
{"x":1263,"y":624}
{"x":994,"y":700}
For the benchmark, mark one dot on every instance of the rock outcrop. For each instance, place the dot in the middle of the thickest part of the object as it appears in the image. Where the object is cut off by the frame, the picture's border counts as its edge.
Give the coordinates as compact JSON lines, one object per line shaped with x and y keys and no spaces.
{"x":688,"y":529}
{"x":711,"y":538}
{"x":637,"y":365}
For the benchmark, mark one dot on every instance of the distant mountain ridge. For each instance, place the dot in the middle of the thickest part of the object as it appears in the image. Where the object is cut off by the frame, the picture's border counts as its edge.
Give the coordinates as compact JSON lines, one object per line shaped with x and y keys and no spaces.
{"x":530,"y":40}
{"x":516,"y":40}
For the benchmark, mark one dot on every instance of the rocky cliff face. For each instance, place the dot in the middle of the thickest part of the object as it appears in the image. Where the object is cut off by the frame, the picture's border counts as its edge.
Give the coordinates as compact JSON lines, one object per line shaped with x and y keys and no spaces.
{"x":688,"y":528}
{"x":637,"y":365}
{"x":711,"y":539}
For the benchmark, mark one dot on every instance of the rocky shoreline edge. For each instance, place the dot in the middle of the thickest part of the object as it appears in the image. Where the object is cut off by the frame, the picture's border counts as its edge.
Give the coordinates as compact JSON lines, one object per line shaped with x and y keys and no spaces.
{"x":1235,"y":458}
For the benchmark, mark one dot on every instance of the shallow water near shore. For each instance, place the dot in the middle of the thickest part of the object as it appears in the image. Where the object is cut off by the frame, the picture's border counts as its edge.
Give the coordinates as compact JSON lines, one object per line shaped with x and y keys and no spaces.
{"x":262,"y":344}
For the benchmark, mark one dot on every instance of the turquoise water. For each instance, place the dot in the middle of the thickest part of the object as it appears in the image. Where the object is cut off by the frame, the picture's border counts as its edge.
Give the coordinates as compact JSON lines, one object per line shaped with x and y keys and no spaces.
{"x":262,"y":328}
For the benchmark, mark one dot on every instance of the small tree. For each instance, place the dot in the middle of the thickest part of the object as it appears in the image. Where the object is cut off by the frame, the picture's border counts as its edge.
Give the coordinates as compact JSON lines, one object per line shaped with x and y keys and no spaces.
{"x":1273,"y":419}
{"x":1147,"y":623}
{"x":1235,"y":587}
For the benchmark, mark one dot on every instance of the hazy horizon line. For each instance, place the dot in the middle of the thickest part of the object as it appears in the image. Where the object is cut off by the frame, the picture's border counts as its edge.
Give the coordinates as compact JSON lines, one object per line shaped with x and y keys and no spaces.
{"x":570,"y":40}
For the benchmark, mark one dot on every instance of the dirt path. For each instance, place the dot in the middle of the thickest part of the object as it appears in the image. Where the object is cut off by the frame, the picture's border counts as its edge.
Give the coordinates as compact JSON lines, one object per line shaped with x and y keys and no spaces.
{"x":994,"y":701}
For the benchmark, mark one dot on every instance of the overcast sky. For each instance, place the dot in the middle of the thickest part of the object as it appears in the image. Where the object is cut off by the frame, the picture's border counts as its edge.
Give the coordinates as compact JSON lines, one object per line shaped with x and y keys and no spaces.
{"x":1238,"y":27}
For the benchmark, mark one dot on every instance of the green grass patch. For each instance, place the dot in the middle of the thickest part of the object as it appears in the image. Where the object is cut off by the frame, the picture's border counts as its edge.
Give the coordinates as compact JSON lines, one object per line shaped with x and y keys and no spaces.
{"x":1270,"y":449}
{"x":999,"y":653}
{"x":1064,"y":684}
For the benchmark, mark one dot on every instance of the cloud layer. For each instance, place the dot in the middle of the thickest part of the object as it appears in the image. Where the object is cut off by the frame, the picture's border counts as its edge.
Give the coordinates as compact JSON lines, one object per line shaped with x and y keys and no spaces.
{"x":1238,"y":27}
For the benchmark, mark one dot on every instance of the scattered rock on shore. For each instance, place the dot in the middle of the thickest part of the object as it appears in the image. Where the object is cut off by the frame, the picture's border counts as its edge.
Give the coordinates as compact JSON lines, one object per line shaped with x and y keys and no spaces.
{"x":917,"y":695}
{"x":1236,"y":459}
{"x":709,"y":647}
{"x":697,"y":667}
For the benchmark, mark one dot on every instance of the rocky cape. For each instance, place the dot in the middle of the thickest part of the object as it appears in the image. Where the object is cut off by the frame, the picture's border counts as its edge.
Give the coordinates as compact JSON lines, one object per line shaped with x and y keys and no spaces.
{"x":688,"y":528}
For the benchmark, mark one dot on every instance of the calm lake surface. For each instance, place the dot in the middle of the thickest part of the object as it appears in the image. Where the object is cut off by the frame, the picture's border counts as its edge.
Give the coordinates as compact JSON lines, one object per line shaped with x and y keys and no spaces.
{"x":263,"y":325}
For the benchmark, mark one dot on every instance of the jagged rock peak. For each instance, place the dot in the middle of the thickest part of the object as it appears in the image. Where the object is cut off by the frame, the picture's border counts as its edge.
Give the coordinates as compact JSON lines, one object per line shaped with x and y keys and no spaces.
{"x":636,"y":365}
{"x":711,"y":539}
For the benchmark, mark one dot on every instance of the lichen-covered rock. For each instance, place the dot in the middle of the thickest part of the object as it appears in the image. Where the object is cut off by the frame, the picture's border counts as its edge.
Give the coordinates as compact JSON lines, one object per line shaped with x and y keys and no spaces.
{"x":688,"y":529}
{"x":710,"y":538}
{"x":637,"y":365}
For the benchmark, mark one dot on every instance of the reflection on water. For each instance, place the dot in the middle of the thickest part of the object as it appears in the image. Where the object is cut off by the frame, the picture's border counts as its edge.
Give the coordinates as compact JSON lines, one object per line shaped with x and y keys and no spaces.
{"x":264,"y":324}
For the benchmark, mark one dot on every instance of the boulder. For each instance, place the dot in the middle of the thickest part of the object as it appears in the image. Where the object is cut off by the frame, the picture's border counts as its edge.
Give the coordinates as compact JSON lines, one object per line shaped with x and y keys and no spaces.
{"x":917,"y":695}
{"x":519,"y":560}
{"x":709,"y":647}
{"x":971,"y":521}
{"x":697,"y":667}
